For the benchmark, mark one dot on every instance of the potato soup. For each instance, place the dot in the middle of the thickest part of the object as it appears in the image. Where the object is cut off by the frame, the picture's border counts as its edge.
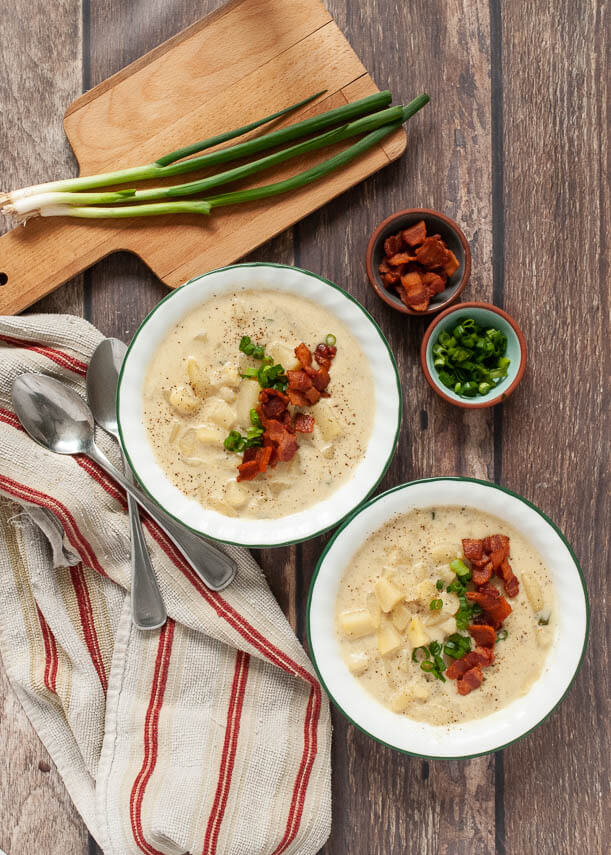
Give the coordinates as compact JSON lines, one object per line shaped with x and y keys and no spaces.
{"x":197,"y":403}
{"x":439,"y":637}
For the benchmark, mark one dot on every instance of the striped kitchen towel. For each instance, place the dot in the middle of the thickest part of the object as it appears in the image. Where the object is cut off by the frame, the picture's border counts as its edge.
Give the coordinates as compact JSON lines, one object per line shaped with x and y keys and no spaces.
{"x":209,"y":736}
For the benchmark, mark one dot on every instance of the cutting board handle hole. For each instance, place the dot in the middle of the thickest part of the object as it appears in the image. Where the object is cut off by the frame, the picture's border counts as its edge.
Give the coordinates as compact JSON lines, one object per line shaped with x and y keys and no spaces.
{"x":3,"y":279}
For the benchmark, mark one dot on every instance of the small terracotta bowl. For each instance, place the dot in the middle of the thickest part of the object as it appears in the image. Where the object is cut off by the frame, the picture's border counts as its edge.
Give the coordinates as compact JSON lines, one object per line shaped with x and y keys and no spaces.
{"x":436,"y":223}
{"x":486,"y":315}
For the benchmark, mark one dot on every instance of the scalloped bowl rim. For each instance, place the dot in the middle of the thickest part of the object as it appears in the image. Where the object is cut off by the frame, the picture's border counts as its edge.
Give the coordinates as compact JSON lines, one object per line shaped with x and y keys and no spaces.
{"x":502,"y":727}
{"x":313,"y":520}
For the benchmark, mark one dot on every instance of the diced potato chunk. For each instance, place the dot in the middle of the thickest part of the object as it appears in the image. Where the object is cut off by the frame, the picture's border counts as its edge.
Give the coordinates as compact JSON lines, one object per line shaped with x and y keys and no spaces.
{"x":374,"y":609}
{"x":448,"y":627}
{"x":389,"y":639}
{"x":357,"y":623}
{"x":533,"y":592}
{"x":427,"y":591}
{"x":387,"y":593}
{"x":400,"y":700}
{"x":358,"y":662}
{"x":412,"y":692}
{"x":401,"y":616}
{"x":327,"y":421}
{"x":247,"y":400}
{"x":228,"y":394}
{"x":235,"y":495}
{"x":199,"y":380}
{"x":419,"y":570}
{"x":443,"y":571}
{"x":210,"y":434}
{"x":184,"y":401}
{"x":283,"y":354}
{"x":218,"y":411}
{"x":446,"y":552}
{"x":230,"y":375}
{"x":416,"y":633}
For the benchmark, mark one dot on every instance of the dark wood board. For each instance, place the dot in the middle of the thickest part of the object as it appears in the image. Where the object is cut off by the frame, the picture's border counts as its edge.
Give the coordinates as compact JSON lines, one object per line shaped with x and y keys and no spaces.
{"x":514,"y":147}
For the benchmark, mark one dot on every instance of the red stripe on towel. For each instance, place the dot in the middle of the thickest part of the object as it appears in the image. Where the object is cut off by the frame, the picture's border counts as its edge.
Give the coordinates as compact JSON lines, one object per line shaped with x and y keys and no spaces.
{"x":51,"y":659}
{"x":35,"y":497}
{"x":64,"y":360}
{"x":232,"y":731}
{"x":88,"y":623}
{"x":151,"y":737}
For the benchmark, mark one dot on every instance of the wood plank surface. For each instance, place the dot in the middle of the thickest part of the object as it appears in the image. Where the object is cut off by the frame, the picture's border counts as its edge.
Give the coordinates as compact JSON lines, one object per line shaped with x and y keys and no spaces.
{"x":513,"y":147}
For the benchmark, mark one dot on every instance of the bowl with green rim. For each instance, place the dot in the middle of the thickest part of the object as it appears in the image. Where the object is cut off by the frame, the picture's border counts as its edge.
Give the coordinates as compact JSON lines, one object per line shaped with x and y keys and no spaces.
{"x":502,"y":727}
{"x":488,"y":317}
{"x":312,"y":520}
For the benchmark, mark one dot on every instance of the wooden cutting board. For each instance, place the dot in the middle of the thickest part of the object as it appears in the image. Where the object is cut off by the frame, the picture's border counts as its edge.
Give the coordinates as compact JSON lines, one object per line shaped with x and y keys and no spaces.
{"x":248,"y":59}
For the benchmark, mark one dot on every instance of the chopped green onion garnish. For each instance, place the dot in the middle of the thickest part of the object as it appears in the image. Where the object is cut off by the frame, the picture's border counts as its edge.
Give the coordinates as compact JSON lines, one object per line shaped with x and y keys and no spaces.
{"x":439,"y":584}
{"x":254,"y":419}
{"x":436,"y":605}
{"x":502,"y":635}
{"x":460,"y":568}
{"x":415,"y":653}
{"x":330,"y":339}
{"x":427,"y":666}
{"x":469,"y":359}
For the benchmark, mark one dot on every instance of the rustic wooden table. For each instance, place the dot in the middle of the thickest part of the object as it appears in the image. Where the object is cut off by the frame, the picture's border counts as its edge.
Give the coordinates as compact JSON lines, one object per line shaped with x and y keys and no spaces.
{"x":513,"y":147}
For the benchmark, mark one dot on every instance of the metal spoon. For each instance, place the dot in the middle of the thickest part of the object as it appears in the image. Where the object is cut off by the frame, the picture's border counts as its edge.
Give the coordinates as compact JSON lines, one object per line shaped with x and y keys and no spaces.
{"x":59,"y":419}
{"x":148,"y":609}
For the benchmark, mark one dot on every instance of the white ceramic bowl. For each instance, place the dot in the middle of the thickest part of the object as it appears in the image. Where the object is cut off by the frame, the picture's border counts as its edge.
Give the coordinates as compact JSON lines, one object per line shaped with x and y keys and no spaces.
{"x":312,"y":520}
{"x":502,"y":727}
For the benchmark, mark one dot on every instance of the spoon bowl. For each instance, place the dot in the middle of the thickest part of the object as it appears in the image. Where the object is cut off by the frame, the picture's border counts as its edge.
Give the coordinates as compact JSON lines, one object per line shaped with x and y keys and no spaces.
{"x":102,"y":380}
{"x":54,"y":415}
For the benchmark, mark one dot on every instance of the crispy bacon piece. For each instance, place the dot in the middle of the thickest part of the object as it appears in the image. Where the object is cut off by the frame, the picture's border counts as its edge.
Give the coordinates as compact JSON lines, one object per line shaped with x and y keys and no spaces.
{"x":393,"y":245}
{"x":495,"y":542}
{"x":472,"y":679}
{"x":298,"y":380}
{"x":510,"y":580}
{"x":479,"y":658}
{"x":415,"y":235}
{"x":304,"y":355}
{"x":391,"y":279}
{"x":320,"y":377}
{"x":451,"y":264}
{"x":483,"y":635}
{"x":434,"y":282}
{"x":432,"y":253}
{"x":325,"y":354}
{"x":304,"y":423}
{"x":481,"y":574}
{"x":400,"y":258}
{"x":472,"y":549}
{"x":248,"y":470}
{"x":272,"y":403}
{"x":416,"y":295}
{"x":494,"y":604}
{"x":297,"y":398}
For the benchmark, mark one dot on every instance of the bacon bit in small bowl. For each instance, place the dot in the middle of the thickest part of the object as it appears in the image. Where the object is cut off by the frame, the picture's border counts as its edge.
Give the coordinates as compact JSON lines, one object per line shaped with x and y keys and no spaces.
{"x":417,"y":265}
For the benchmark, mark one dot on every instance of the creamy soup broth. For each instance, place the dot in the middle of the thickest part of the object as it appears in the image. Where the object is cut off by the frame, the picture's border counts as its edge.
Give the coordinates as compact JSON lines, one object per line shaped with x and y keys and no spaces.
{"x":414,"y":551}
{"x":194,"y":395}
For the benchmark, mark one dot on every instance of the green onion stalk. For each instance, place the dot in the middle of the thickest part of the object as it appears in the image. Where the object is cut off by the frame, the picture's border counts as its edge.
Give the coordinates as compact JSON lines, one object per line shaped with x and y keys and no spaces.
{"x":375,"y":127}
{"x":173,"y":164}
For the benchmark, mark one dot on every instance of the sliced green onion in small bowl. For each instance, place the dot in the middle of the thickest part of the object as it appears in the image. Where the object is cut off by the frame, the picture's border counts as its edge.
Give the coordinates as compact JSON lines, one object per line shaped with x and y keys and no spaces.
{"x":473,"y":355}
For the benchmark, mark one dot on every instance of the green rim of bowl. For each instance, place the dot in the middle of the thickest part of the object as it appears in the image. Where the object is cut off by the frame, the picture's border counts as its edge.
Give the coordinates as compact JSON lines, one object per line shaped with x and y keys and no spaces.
{"x":347,"y":522}
{"x":369,"y":318}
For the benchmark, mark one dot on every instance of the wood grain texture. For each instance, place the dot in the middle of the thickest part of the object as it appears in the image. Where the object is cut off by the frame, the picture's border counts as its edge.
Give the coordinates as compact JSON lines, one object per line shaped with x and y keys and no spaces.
{"x":555,"y":160}
{"x":186,"y":90}
{"x":512,"y":146}
{"x":36,"y":813}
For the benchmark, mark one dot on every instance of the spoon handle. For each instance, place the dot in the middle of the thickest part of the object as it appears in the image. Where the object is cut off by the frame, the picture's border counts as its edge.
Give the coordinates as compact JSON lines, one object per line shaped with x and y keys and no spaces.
{"x":213,"y":567}
{"x":148,"y":609}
